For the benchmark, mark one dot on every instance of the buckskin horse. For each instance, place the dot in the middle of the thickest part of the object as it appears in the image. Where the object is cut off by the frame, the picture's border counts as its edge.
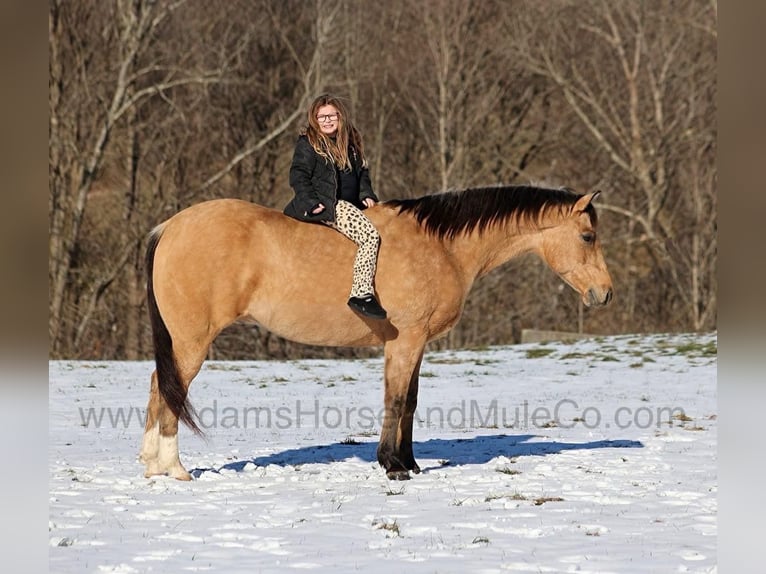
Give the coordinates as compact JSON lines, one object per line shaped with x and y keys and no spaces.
{"x":226,"y":260}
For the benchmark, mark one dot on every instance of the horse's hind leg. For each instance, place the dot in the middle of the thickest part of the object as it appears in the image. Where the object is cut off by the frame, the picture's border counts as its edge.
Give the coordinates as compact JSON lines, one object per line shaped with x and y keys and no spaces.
{"x":159,"y":450}
{"x":150,"y":447}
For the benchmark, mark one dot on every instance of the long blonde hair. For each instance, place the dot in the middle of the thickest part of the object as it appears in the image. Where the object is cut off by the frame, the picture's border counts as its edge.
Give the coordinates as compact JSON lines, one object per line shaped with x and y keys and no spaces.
{"x":334,"y":150}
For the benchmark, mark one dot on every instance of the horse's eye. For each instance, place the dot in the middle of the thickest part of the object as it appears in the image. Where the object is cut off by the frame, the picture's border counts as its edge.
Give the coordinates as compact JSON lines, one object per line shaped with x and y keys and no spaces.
{"x":588,"y":237}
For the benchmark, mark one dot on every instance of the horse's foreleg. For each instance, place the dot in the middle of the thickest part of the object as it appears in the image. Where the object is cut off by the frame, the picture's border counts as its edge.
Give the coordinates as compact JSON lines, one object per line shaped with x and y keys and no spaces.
{"x":407,"y":420}
{"x":401,"y":387}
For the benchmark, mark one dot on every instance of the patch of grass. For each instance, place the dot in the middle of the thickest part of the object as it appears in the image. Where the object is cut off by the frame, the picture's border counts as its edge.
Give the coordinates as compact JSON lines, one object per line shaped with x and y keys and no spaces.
{"x":479,"y":348}
{"x":636,"y":365}
{"x":485,"y":362}
{"x":480,"y":540}
{"x":695,"y":349}
{"x":509,"y":471}
{"x":543,"y":499}
{"x":575,"y":355}
{"x":392,"y":527}
{"x":222,"y":367}
{"x":445,"y":361}
{"x":609,"y":359}
{"x":280,"y":380}
{"x":427,"y":375}
{"x":349,"y":440}
{"x":538,"y":353}
{"x":392,"y":492}
{"x":514,"y":496}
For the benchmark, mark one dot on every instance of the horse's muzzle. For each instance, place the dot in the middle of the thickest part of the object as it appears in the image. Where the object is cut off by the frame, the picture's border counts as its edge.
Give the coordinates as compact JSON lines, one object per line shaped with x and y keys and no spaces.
{"x":598,"y":297}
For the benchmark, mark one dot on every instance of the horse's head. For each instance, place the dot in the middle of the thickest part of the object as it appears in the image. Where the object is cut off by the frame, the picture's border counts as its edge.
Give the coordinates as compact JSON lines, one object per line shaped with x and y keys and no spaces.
{"x":573,"y":250}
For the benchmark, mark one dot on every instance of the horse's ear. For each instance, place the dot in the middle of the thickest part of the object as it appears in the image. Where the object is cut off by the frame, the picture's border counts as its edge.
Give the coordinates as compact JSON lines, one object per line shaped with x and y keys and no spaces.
{"x":583,"y":203}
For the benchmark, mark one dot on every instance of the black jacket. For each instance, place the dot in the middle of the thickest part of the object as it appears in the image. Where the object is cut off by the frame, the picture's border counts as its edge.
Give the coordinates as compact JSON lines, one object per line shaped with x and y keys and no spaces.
{"x":314,"y":180}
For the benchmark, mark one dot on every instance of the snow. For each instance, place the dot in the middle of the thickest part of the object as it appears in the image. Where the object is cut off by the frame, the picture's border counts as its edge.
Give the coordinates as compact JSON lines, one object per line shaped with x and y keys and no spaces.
{"x":594,"y":456}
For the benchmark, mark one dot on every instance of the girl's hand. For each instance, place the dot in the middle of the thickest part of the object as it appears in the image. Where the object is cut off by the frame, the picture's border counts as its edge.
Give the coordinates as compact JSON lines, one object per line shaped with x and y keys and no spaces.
{"x":368,"y":202}
{"x":318,"y":209}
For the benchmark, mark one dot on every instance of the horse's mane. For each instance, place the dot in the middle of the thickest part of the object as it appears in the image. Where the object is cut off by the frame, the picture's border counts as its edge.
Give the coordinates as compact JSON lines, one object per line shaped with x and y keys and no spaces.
{"x":454,"y":212}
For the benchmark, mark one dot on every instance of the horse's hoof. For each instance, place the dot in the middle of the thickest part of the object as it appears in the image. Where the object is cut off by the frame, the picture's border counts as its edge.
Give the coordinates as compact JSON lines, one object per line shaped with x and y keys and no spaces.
{"x":416,"y":469}
{"x":179,"y":473}
{"x":398,"y":475}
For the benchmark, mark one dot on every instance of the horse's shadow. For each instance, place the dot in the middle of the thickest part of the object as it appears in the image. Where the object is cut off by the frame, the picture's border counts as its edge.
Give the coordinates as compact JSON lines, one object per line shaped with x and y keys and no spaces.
{"x":452,"y":452}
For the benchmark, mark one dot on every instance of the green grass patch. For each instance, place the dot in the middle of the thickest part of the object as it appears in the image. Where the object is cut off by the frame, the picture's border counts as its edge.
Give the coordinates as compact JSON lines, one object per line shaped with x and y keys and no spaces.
{"x":695,"y":349}
{"x":575,"y":356}
{"x":485,"y":362}
{"x":538,"y":353}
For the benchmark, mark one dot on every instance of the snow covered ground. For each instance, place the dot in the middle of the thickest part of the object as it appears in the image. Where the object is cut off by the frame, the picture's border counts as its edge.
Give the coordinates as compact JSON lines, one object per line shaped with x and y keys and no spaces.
{"x":595,"y":456}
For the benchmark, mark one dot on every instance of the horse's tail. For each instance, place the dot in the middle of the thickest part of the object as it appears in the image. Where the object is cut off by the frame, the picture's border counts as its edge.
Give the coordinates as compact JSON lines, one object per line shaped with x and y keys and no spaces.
{"x":168,"y":379}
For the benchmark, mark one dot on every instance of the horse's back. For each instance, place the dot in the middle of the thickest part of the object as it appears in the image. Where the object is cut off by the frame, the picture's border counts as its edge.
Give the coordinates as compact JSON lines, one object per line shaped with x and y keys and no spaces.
{"x":216,"y":212}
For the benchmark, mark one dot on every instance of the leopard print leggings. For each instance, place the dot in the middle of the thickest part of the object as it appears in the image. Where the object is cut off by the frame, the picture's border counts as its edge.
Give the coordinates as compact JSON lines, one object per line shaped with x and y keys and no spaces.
{"x":351,"y":222}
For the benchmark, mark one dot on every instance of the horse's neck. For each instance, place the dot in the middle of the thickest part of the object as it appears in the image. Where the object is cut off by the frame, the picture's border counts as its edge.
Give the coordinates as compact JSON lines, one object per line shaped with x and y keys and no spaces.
{"x":480,"y":253}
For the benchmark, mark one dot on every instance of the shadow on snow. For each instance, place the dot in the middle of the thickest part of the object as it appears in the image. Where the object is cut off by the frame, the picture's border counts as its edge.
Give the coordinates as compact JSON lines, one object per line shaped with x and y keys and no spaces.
{"x":452,"y":452}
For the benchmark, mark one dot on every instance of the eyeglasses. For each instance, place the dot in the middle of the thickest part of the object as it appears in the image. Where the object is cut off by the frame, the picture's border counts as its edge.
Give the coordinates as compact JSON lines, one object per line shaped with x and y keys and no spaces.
{"x":327,"y":118}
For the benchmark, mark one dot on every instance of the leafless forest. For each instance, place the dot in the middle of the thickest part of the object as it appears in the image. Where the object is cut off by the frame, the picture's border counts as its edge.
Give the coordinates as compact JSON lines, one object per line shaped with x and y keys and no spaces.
{"x":157,"y":105}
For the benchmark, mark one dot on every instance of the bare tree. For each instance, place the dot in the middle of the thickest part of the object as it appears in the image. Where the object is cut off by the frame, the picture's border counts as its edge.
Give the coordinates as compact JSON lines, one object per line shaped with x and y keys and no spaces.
{"x":625,"y":69}
{"x":130,"y":27}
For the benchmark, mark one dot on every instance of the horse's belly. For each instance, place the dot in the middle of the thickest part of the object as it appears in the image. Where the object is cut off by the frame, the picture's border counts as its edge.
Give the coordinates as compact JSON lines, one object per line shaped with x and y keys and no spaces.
{"x":323,"y":326}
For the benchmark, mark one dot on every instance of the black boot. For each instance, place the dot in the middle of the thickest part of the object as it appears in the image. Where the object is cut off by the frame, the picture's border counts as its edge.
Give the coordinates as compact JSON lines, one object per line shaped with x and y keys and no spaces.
{"x":368,"y":306}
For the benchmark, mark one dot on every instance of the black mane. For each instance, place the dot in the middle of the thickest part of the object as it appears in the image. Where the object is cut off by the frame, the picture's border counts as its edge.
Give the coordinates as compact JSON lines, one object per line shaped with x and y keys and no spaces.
{"x":451,"y":213}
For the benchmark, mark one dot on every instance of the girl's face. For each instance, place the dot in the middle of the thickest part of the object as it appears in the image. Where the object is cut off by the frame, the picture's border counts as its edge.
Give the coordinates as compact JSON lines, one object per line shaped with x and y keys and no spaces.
{"x":328,"y":118}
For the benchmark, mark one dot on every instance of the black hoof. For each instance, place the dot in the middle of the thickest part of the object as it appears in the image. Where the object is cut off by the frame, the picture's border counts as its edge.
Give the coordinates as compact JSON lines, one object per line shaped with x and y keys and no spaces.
{"x":398,"y":475}
{"x":416,"y":469}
